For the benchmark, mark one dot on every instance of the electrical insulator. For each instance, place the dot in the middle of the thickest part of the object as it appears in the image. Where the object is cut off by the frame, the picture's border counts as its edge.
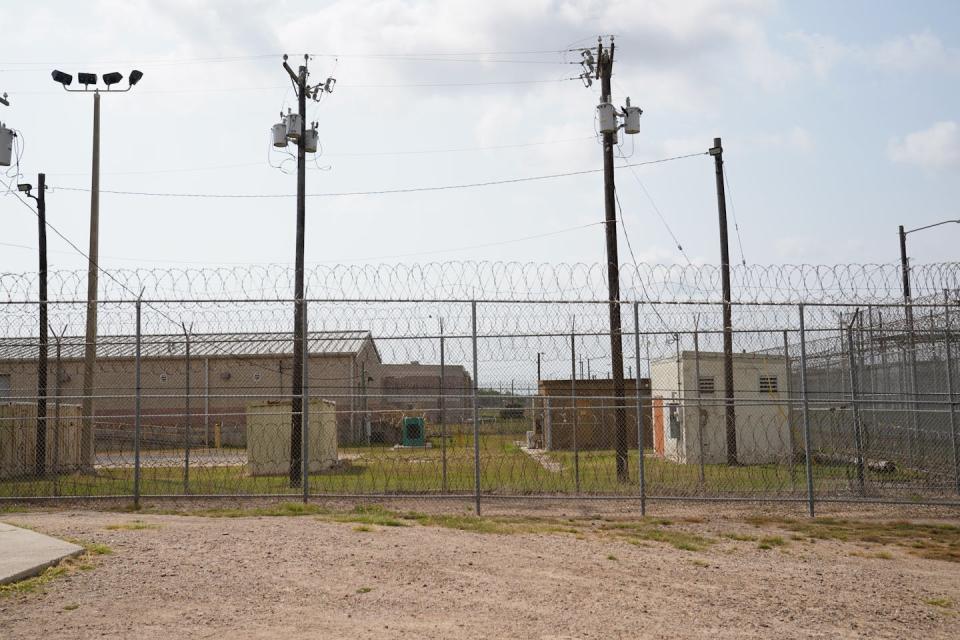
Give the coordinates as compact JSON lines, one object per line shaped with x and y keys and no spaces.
{"x":310,"y":141}
{"x":279,"y":133}
{"x":608,"y":117}
{"x":293,"y":126}
{"x":631,"y":118}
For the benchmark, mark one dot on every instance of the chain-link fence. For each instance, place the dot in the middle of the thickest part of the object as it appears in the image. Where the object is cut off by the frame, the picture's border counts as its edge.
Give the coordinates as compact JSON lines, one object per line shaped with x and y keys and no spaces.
{"x":483,"y":399}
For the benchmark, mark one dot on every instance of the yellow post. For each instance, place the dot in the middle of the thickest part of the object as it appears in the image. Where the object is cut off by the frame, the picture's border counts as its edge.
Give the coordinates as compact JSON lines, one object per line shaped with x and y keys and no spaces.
{"x":216,"y":435}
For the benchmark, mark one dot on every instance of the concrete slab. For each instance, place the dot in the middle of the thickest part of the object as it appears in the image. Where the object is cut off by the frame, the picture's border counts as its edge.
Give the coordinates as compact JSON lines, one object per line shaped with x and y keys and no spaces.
{"x":25,"y":553}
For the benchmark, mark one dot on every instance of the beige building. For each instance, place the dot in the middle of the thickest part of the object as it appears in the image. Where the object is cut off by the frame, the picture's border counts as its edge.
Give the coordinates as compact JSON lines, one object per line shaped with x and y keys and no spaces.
{"x":227,"y":373}
{"x":760,"y":398}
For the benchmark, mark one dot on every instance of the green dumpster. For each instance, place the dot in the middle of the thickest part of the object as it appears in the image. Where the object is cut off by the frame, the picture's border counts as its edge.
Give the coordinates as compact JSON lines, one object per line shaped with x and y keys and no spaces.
{"x":414,"y":434}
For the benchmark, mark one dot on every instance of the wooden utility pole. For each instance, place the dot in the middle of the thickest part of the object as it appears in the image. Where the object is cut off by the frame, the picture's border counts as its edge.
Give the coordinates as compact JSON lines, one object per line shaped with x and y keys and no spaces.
{"x":296,"y":394}
{"x":730,"y":413}
{"x":605,"y":71}
{"x":40,"y":467}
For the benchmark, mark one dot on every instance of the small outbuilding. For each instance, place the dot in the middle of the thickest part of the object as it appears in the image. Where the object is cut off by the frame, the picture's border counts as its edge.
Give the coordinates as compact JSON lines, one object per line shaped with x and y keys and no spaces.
{"x":762,"y":411}
{"x":581,"y":414}
{"x":268,"y":437}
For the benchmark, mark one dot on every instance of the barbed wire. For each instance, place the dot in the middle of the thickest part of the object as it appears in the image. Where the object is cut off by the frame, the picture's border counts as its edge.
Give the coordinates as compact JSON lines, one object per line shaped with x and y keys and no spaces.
{"x":468,"y":280}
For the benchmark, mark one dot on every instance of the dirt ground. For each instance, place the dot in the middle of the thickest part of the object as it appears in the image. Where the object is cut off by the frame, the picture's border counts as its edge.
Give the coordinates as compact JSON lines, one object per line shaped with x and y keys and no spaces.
{"x":178,"y":576}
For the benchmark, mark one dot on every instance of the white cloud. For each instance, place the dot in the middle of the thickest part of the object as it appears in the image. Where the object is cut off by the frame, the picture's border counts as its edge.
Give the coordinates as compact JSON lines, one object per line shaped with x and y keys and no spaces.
{"x":936,"y":147}
{"x":911,"y":52}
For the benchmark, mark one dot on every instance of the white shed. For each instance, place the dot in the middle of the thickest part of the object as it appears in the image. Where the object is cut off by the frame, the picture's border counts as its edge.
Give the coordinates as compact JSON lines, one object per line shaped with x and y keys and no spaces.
{"x":268,"y":437}
{"x":760,"y":384}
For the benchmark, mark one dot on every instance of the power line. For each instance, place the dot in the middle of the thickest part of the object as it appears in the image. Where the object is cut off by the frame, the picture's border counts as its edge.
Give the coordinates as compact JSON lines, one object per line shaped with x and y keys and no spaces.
{"x":733,"y":209}
{"x":390,"y":85}
{"x":448,"y":56}
{"x":656,"y":209}
{"x":81,"y":252}
{"x":450,"y":187}
{"x":361,"y":154}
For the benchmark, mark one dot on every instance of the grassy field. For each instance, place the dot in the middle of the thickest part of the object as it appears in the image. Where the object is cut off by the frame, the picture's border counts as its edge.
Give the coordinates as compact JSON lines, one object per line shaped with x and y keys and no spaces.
{"x":505,"y":469}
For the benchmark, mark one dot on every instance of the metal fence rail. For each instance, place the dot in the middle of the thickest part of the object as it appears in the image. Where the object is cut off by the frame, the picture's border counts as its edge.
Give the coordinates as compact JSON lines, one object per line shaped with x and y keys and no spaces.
{"x":484,"y":399}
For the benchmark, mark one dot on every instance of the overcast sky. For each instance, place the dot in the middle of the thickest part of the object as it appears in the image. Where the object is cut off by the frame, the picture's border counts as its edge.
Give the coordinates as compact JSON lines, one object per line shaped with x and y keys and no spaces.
{"x":839,"y":121}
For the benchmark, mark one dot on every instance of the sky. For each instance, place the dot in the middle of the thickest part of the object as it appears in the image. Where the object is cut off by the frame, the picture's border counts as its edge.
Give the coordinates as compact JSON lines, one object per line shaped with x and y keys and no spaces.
{"x":839,"y":120}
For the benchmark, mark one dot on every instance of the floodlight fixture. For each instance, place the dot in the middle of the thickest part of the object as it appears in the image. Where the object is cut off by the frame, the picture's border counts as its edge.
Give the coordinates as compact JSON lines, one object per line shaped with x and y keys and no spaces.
{"x":135,"y":76}
{"x":111,"y":79}
{"x":23,"y":187}
{"x":87,"y":79}
{"x":63,"y":78}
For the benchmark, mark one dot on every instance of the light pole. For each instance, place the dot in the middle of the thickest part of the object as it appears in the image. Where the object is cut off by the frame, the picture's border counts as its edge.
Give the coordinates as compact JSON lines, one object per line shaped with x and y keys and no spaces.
{"x":90,"y":337}
{"x":40,"y":463}
{"x":908,"y":315}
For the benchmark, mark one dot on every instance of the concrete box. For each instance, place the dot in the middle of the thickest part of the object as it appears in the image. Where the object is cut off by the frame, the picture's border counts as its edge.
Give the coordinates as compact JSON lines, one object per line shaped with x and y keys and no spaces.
{"x":268,"y":437}
{"x":18,"y":439}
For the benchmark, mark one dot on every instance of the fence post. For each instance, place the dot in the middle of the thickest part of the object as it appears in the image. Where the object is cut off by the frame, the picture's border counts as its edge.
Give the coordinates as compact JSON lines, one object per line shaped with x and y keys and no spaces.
{"x":57,"y":390}
{"x":443,"y":422}
{"x":854,"y":401}
{"x":136,"y":418}
{"x":640,"y":443}
{"x":806,"y":413}
{"x":696,"y":367}
{"x":476,"y":411}
{"x":305,"y":390}
{"x":791,"y":441}
{"x":186,"y":431}
{"x":573,"y":408}
{"x":954,"y":440}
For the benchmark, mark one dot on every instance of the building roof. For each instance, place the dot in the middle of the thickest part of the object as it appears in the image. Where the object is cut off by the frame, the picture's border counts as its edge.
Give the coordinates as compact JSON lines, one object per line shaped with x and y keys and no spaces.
{"x":417,"y":369}
{"x":202,"y":345}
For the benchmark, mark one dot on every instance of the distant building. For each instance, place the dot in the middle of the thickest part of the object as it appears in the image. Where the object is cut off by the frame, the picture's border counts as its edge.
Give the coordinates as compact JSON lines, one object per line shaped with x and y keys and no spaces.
{"x":593,"y":425}
{"x":229,"y":371}
{"x":761,"y":408}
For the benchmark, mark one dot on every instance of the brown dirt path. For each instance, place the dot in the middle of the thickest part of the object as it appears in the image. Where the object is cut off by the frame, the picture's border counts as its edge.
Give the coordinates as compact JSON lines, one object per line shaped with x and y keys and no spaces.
{"x":271,"y":577}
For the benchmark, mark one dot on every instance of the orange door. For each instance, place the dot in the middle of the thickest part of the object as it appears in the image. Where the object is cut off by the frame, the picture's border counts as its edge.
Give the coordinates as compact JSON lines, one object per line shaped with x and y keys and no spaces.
{"x":658,"y":425}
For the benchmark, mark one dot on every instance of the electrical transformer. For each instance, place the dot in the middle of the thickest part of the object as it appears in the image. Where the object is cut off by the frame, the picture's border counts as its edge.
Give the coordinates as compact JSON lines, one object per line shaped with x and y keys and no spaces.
{"x":279,"y":133}
{"x":631,"y":118}
{"x":310,"y":141}
{"x":293,"y":126}
{"x":6,"y":146}
{"x":608,"y":117}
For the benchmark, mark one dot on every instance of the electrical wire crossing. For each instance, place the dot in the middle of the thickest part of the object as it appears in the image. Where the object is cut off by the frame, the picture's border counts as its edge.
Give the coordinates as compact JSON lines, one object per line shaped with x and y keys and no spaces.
{"x":335,"y":194}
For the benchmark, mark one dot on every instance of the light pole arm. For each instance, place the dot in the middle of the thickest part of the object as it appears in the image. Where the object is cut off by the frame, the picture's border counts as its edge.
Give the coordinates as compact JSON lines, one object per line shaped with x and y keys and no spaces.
{"x":930,"y":226}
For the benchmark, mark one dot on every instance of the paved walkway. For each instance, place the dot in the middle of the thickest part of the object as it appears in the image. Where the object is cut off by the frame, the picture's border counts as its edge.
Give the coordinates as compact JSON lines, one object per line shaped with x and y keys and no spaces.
{"x":25,"y":553}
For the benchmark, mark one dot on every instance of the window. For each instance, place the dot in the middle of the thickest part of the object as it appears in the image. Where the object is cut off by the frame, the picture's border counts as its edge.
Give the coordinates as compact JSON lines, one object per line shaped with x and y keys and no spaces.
{"x":257,"y":377}
{"x":707,"y":385}
{"x":769,"y":384}
{"x":163,"y":378}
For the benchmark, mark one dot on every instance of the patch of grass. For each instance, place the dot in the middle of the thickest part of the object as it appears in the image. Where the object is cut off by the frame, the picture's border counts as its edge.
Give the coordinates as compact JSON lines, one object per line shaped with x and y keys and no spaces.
{"x":136,"y":525}
{"x":277,"y":510}
{"x":943,"y":603}
{"x":927,"y":540}
{"x":65,"y":567}
{"x":769,"y":542}
{"x":71,"y":607}
{"x":739,"y":537}
{"x":700,"y":563}
{"x":364,"y":589}
{"x":362,"y":528}
{"x":368,"y":514}
{"x":878,"y":555}
{"x":612,"y":557}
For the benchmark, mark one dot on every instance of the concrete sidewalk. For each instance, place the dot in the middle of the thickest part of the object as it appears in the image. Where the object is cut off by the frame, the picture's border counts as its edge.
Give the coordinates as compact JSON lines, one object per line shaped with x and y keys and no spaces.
{"x":25,"y":553}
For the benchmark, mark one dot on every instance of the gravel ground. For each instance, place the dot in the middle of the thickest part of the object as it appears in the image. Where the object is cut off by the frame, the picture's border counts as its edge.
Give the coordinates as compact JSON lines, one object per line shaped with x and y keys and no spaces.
{"x":270,"y":577}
